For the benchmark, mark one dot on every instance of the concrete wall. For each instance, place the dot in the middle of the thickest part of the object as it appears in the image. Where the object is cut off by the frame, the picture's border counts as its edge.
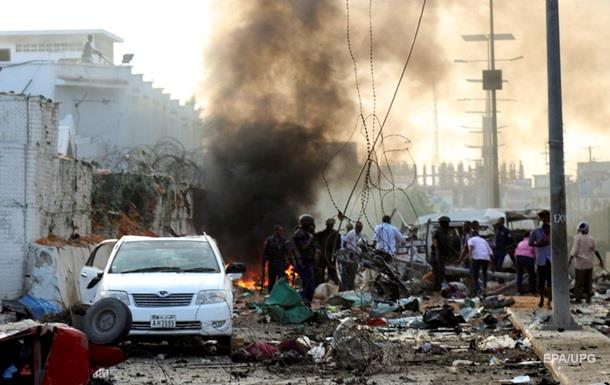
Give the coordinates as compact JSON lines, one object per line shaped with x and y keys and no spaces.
{"x":52,"y":272}
{"x":38,"y":191}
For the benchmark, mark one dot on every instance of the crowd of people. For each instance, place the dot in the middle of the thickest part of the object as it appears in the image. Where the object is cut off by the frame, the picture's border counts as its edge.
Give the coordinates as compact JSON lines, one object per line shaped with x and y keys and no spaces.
{"x":314,"y":254}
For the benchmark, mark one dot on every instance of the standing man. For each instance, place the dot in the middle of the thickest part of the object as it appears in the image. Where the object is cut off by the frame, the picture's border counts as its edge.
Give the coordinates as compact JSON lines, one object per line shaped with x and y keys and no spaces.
{"x":582,"y":252}
{"x":387,"y":238}
{"x":480,"y":256}
{"x":275,"y":255}
{"x":349,"y":268}
{"x":540,"y":238}
{"x":89,"y":51}
{"x":443,"y":250}
{"x":328,"y":241}
{"x":504,"y":240}
{"x":305,"y":250}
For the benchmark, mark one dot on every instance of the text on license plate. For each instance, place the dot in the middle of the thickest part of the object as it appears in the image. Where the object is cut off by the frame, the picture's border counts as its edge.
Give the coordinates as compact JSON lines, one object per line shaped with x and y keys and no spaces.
{"x":163,"y":321}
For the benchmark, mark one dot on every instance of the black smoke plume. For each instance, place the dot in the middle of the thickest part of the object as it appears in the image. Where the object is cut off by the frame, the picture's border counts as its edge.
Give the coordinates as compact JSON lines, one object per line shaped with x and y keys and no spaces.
{"x":277,"y":97}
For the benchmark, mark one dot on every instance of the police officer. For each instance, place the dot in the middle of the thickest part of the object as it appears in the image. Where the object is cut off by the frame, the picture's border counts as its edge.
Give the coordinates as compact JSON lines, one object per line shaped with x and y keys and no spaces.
{"x":275,"y":255}
{"x":305,"y":251}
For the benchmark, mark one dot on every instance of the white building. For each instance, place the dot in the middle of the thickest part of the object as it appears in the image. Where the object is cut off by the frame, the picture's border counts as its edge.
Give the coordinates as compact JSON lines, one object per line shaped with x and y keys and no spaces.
{"x":103,"y":108}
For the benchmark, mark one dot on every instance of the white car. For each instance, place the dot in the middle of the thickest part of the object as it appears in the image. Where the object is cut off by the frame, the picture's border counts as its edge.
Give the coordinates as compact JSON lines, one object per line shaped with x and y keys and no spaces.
{"x":173,"y":286}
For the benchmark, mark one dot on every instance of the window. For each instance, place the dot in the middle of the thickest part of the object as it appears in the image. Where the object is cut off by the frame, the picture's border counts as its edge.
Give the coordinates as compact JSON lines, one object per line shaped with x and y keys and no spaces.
{"x":165,"y":256}
{"x":5,"y":54}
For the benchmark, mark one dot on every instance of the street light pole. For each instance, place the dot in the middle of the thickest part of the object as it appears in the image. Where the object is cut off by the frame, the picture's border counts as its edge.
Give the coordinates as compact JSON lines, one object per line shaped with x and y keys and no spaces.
{"x":495,"y":180}
{"x":561,"y":318}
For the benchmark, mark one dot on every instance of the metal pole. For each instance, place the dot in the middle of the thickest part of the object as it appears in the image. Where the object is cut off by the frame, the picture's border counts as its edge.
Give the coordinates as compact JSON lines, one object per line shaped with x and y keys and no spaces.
{"x":495,"y":182}
{"x":561,"y":317}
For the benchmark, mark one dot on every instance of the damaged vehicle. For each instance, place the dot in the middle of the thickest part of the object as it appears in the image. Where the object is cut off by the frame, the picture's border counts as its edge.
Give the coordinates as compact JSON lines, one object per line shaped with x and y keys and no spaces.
{"x":172,"y":286}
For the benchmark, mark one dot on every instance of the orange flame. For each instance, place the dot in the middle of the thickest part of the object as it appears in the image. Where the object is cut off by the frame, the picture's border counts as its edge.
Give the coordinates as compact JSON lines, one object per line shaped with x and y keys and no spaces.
{"x":253,"y":283}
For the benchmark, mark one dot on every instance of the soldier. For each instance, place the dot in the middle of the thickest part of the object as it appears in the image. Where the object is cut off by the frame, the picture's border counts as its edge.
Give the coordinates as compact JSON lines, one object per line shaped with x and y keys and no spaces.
{"x":443,"y":249}
{"x":305,"y":250}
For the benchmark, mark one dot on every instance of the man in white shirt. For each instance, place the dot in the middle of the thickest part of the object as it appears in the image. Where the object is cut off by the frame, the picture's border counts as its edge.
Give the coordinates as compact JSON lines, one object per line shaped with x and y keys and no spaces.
{"x":480,"y":256}
{"x":387,"y":237}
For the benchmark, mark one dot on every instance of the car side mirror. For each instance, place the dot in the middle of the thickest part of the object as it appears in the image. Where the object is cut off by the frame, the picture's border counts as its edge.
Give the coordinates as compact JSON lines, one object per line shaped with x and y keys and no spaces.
{"x":235,"y":270}
{"x":95,"y":280}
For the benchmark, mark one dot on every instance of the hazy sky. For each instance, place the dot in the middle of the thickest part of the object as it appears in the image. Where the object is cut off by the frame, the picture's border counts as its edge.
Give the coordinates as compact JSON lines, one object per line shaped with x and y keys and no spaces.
{"x":167,"y":37}
{"x":168,"y":40}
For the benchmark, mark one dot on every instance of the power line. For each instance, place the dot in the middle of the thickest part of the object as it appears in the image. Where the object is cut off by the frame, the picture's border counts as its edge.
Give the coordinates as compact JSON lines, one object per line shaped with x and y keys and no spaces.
{"x":367,"y":165}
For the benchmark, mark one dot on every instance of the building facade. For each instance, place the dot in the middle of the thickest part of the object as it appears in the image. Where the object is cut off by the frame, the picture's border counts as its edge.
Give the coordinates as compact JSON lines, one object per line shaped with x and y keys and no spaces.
{"x":104,"y":108}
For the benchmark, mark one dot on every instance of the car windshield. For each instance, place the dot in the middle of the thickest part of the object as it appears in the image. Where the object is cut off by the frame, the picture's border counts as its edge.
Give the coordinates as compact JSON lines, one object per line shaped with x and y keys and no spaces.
{"x":165,"y":256}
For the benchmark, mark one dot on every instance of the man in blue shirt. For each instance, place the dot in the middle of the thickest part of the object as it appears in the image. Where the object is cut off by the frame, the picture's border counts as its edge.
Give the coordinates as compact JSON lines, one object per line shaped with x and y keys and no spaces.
{"x":504,"y":239}
{"x":540,"y":238}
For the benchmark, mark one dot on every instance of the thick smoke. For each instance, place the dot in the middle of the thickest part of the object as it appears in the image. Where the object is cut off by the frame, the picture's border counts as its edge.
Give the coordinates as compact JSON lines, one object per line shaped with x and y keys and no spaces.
{"x":277,"y":94}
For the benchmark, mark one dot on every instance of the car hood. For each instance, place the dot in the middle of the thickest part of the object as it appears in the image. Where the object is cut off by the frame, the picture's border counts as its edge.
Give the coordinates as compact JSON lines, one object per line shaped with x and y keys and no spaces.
{"x":170,"y":282}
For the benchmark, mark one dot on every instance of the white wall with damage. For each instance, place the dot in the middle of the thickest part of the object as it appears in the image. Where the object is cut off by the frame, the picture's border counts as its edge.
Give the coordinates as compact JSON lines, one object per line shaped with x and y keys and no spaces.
{"x":52,"y":272}
{"x":39,"y":193}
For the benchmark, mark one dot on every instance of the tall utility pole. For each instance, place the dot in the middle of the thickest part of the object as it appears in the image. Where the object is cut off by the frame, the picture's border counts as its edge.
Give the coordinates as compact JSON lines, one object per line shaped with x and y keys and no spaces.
{"x":495,"y":180}
{"x":561,"y":318}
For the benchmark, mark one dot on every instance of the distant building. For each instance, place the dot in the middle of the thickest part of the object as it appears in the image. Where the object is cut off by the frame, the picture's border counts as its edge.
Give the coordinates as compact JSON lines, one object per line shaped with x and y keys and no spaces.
{"x":593,"y":180}
{"x":103,"y":108}
{"x":541,"y":196}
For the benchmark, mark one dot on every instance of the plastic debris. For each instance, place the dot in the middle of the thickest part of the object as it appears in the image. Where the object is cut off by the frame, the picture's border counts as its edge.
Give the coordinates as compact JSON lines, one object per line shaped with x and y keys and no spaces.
{"x":498,"y":301}
{"x":468,"y":312}
{"x":462,"y":363}
{"x":377,"y":321}
{"x":354,"y":345}
{"x":441,"y":317}
{"x":317,"y":353}
{"x":261,"y":351}
{"x":284,"y":304}
{"x":416,"y":322}
{"x":521,"y":380}
{"x":351,"y":299}
{"x":493,"y":343}
{"x":410,"y":303}
{"x":325,"y":290}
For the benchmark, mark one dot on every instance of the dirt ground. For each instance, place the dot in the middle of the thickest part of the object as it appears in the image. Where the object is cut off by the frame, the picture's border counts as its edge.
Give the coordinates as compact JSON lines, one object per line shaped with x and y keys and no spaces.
{"x":454,"y":357}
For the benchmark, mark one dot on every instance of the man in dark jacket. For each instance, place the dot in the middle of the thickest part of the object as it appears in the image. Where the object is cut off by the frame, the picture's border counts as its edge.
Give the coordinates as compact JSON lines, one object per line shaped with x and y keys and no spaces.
{"x":504,"y":240}
{"x":328,"y":241}
{"x":305,"y":251}
{"x":275,"y":255}
{"x":445,"y":247}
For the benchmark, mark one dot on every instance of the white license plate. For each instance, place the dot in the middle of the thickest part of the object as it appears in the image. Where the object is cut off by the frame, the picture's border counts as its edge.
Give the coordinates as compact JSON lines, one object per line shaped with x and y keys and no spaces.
{"x":163,"y":321}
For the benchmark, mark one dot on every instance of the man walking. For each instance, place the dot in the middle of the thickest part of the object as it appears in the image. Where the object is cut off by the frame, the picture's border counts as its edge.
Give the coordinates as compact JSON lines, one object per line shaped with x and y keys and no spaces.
{"x":328,"y":241}
{"x":443,"y":249}
{"x":540,"y":238}
{"x":275,"y":255}
{"x":480,"y":256}
{"x":387,"y":238}
{"x":582,"y":252}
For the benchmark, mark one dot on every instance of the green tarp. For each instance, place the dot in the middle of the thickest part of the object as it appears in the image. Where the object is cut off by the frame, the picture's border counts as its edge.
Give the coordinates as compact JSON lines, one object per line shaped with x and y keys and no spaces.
{"x":284,"y":305}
